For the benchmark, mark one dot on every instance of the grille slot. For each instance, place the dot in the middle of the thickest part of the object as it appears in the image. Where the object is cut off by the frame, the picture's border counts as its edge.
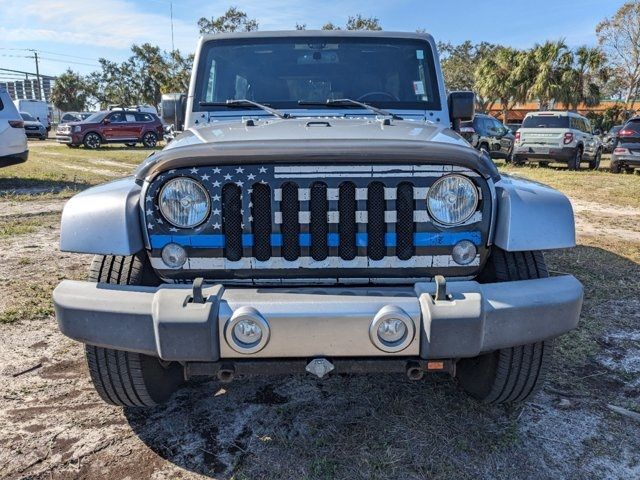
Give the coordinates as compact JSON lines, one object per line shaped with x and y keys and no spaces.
{"x":347,"y":226}
{"x":318,"y":226}
{"x":405,"y":206}
{"x":376,"y":226}
{"x":232,"y":221}
{"x":261,"y":223}
{"x":290,"y":207}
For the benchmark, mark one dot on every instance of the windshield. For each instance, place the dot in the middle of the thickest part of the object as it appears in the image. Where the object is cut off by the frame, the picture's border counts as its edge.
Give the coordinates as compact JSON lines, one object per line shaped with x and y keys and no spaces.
{"x":545,"y":121}
{"x":280,"y":72}
{"x":27,"y":117}
{"x":96,"y":117}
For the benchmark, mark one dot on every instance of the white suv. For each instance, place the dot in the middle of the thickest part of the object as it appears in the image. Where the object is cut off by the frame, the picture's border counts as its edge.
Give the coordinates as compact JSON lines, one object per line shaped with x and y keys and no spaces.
{"x":13,"y":141}
{"x":557,"y":137}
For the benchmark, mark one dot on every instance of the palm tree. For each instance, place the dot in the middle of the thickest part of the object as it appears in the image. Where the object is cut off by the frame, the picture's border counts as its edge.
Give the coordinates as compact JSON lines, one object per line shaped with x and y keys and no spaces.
{"x":499,"y":77}
{"x":547,"y":66}
{"x":582,"y":82}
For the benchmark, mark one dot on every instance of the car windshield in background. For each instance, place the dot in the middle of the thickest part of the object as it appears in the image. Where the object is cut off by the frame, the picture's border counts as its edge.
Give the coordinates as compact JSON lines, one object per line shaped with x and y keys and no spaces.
{"x":96,"y":117}
{"x":27,"y":117}
{"x":545,"y":121}
{"x":280,"y":72}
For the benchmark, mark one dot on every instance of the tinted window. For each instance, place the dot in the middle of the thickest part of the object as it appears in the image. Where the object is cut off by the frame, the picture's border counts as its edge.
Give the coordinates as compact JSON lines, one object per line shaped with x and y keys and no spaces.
{"x":117,"y":118}
{"x":387,"y":72}
{"x":545,"y":121}
{"x":143,"y":117}
{"x":27,"y":117}
{"x":96,"y":117}
{"x":1,"y":105}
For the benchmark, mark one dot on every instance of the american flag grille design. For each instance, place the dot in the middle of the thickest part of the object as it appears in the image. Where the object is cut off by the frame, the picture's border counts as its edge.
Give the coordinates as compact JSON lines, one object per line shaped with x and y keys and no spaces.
{"x":351,"y":218}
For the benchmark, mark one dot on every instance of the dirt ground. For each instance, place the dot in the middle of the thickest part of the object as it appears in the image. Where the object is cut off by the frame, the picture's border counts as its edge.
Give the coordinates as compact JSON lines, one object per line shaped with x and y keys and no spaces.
{"x":53,"y":425}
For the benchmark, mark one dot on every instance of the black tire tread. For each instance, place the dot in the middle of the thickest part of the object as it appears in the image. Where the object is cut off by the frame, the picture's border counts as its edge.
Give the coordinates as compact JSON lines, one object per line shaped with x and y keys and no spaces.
{"x":519,"y":371}
{"x":119,"y":376}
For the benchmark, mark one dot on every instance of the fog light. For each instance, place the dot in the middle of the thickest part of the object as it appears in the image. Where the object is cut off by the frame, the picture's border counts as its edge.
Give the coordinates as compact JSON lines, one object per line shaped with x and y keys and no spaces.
{"x":247,"y":331}
{"x":173,"y":255}
{"x":392,"y":329}
{"x":464,"y":252}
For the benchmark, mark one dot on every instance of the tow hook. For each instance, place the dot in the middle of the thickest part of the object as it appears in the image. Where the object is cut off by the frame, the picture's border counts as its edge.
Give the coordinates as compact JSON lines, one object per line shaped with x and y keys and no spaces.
{"x":441,"y":289}
{"x":197,"y":296}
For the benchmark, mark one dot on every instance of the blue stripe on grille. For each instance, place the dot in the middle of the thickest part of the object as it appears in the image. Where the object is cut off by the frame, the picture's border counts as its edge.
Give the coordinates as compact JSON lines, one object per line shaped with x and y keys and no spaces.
{"x":424,"y":239}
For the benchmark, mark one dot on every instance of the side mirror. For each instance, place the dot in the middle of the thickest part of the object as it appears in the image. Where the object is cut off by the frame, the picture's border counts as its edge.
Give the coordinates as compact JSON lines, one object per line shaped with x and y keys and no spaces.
{"x":106,"y":121}
{"x":462,"y":108}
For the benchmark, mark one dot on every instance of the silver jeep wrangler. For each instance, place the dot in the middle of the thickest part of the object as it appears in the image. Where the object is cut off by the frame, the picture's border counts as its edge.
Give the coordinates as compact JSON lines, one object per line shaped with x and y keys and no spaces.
{"x":320,"y":213}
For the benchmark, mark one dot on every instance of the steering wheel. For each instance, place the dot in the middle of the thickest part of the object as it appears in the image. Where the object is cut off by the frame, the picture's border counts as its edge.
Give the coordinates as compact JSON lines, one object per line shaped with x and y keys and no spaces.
{"x":362,"y":98}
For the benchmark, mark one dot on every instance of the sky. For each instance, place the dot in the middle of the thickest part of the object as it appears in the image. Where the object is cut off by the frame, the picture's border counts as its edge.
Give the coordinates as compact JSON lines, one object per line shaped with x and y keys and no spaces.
{"x":74,"y":34}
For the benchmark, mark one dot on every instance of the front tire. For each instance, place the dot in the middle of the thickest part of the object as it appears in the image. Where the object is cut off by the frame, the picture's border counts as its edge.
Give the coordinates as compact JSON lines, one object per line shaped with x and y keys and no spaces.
{"x":129,"y":379}
{"x":615,"y":167}
{"x":92,"y":141}
{"x":514,"y":374}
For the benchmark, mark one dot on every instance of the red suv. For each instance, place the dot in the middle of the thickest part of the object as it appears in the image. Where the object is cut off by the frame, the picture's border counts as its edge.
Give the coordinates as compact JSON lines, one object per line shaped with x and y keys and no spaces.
{"x":112,"y":126}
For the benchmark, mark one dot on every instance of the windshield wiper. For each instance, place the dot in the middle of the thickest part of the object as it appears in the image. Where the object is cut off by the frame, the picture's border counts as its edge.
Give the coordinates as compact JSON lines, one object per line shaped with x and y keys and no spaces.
{"x":345,"y":102}
{"x":246,"y":103}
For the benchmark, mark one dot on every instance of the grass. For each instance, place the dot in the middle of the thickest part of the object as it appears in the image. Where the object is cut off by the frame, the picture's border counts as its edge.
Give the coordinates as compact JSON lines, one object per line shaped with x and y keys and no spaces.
{"x":56,"y":171}
{"x":594,"y":186}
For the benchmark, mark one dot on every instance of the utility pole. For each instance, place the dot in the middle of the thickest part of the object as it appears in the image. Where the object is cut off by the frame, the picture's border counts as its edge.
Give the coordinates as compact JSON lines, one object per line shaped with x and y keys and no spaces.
{"x":39,"y":83}
{"x":173,"y":49}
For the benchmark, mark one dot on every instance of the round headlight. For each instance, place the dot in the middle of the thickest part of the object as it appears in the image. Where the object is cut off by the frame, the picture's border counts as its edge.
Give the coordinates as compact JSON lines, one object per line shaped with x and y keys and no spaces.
{"x":452,"y":200}
{"x":184,"y":202}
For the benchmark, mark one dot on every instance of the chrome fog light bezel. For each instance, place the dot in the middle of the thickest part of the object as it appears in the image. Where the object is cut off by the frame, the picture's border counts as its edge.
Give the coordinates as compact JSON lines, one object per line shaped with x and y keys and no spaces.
{"x":387,"y":313}
{"x":246,"y":314}
{"x":472,"y":210}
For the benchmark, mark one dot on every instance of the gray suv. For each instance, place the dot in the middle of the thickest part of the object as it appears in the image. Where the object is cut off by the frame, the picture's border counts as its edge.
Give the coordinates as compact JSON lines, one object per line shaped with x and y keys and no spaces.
{"x":321,"y":213}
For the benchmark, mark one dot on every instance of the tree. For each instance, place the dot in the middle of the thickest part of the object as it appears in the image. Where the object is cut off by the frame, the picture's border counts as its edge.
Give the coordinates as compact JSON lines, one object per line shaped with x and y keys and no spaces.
{"x":459,"y":64}
{"x":499,"y":77}
{"x":546,"y":67}
{"x":69,"y":92}
{"x":619,"y":36}
{"x":356,"y":22}
{"x":582,"y":82}
{"x":233,"y":20}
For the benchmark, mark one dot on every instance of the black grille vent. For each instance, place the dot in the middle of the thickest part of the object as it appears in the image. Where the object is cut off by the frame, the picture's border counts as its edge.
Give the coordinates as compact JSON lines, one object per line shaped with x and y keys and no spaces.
{"x":405,"y":206}
{"x":347,"y":228}
{"x":376,"y":226}
{"x":290,"y":208}
{"x":319,"y":228}
{"x":261,"y":221}
{"x":232,"y":221}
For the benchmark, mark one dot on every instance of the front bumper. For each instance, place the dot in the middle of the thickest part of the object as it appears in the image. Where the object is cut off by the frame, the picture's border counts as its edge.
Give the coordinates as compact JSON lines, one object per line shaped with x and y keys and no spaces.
{"x":317,"y":322}
{"x":563,"y":154}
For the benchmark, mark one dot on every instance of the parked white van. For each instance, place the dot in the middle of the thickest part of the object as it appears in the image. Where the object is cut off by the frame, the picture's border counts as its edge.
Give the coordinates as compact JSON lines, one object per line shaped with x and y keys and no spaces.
{"x":13,"y":141}
{"x":38,"y":109}
{"x":557,"y":137}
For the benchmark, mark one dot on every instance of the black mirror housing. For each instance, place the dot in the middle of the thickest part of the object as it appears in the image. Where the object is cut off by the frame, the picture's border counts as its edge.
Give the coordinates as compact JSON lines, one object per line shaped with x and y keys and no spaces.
{"x":462,"y":107}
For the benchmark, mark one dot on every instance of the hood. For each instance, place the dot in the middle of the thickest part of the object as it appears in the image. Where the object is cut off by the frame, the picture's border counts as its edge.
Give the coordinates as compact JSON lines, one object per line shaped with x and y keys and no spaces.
{"x":317,"y":139}
{"x":316,"y":128}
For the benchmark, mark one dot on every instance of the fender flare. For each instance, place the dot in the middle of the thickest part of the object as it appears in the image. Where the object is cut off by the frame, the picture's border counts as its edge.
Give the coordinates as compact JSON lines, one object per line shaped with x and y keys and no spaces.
{"x":103,"y":220}
{"x":532,"y":216}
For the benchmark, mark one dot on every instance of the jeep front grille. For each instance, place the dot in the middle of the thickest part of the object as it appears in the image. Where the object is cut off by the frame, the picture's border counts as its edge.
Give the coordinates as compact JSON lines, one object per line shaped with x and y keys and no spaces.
{"x":356,"y":221}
